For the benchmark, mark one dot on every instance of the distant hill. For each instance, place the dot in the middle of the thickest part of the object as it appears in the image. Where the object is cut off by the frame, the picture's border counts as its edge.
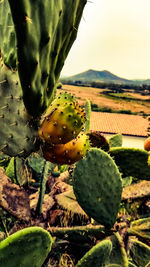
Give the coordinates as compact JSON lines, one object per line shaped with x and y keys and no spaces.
{"x":103,"y":77}
{"x":97,"y":76}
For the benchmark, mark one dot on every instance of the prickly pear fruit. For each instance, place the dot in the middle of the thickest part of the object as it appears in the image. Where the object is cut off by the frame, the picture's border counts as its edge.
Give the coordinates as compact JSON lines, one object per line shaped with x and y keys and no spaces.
{"x":63,"y":120}
{"x":27,"y":247}
{"x":97,"y":139}
{"x":67,"y":153}
{"x":147,"y":144}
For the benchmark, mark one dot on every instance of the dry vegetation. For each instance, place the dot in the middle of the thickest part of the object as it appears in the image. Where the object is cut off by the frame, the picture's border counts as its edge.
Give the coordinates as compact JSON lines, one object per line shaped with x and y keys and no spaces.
{"x":96,"y":97}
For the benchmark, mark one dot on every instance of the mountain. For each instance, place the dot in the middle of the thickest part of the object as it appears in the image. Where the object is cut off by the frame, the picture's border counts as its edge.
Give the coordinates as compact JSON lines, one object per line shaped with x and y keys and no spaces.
{"x":97,"y":76}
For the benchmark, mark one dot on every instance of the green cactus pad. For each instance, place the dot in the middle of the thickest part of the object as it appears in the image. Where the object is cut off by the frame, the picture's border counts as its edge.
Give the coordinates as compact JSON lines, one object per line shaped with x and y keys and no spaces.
{"x":97,"y":255}
{"x":26,"y":248}
{"x":140,"y":253}
{"x":18,"y":136}
{"x":67,"y":201}
{"x":78,"y":234}
{"x":140,"y":228}
{"x":97,"y":186}
{"x":115,"y":140}
{"x":132,"y":162}
{"x":45,"y":32}
{"x":7,"y":35}
{"x":118,"y":255}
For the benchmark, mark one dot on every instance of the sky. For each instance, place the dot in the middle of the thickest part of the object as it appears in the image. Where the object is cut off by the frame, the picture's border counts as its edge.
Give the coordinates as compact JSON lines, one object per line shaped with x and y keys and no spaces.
{"x":113,"y":35}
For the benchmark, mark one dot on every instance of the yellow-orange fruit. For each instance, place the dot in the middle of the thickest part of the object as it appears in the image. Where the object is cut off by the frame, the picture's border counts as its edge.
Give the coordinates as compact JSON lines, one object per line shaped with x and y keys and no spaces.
{"x":62,"y":122}
{"x":67,"y":153}
{"x":147,"y":144}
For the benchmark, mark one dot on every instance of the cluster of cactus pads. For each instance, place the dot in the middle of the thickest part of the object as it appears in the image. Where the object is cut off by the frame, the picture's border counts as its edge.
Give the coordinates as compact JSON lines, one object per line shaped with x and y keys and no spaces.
{"x":35,"y":39}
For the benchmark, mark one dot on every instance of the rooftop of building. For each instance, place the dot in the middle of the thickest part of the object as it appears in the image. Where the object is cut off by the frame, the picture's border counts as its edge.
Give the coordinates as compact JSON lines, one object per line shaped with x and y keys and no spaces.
{"x":125,"y":124}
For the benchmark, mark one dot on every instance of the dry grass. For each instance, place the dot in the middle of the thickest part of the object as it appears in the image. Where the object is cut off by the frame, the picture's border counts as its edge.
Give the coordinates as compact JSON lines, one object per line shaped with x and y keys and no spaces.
{"x":95,"y":96}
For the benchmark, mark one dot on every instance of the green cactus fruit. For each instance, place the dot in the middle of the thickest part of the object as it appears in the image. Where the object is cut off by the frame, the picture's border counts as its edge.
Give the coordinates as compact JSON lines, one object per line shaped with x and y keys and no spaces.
{"x":132,"y":162}
{"x":97,"y":139}
{"x":140,"y":228}
{"x":67,"y":153}
{"x":45,"y":32}
{"x":27,"y":247}
{"x":97,"y":255}
{"x":63,"y":120}
{"x":97,"y":186}
{"x":7,"y":35}
{"x":140,"y":253}
{"x":18,"y":136}
{"x":118,"y":254}
{"x":115,"y":140}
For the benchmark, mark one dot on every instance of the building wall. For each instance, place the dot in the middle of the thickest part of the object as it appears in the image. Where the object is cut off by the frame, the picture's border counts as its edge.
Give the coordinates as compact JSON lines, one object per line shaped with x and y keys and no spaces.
{"x":131,"y":141}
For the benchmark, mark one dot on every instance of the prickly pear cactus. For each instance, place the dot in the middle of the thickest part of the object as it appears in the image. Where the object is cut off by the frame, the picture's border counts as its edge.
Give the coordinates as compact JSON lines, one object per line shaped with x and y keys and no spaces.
{"x":118,"y":255}
{"x":67,"y":153}
{"x":140,"y":253}
{"x":97,"y":255}
{"x":45,"y":32}
{"x":140,"y":228}
{"x":7,"y":35}
{"x":97,"y":185}
{"x":18,"y":136}
{"x":115,"y":140}
{"x":132,"y":162}
{"x":27,"y":247}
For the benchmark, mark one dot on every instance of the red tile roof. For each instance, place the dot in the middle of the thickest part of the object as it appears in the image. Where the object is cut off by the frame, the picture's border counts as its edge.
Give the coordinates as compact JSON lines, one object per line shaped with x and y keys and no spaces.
{"x":119,"y":123}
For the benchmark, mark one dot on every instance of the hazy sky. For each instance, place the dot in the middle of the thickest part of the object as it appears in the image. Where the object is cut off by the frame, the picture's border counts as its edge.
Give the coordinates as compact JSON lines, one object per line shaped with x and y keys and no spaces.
{"x":113,"y":35}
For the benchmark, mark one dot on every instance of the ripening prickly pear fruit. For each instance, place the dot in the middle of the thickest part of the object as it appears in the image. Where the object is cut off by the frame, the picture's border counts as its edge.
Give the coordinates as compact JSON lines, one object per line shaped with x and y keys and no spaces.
{"x":147,"y":144}
{"x":63,"y":120}
{"x":67,"y":153}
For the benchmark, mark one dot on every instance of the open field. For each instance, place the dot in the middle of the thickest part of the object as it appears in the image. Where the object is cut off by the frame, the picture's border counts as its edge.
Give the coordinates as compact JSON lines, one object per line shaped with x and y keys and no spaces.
{"x":96,"y":96}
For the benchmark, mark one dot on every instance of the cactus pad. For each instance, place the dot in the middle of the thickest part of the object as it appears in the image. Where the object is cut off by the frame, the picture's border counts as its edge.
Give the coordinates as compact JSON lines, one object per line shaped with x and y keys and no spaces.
{"x":18,"y":137}
{"x":115,"y":140}
{"x":132,"y":162}
{"x":118,"y":255}
{"x":45,"y":32}
{"x":7,"y":35}
{"x":97,"y":185}
{"x":140,"y":253}
{"x":97,"y":255}
{"x":27,"y":247}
